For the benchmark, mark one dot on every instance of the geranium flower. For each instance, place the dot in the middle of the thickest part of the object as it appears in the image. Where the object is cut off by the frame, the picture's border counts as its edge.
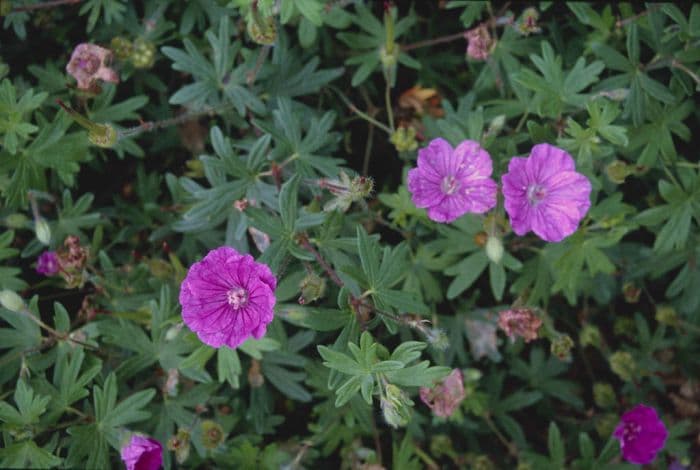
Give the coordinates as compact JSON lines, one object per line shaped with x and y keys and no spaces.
{"x":451,"y":182}
{"x":47,"y":263}
{"x":520,"y":323}
{"x":90,"y":63}
{"x":142,"y":453}
{"x":641,"y":434}
{"x":445,"y":397}
{"x":227,"y":297}
{"x":545,"y":194}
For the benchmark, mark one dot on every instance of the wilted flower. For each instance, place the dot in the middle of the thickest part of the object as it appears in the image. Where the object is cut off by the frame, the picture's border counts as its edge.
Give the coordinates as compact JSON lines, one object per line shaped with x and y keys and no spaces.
{"x":451,"y":182}
{"x":227,"y":297}
{"x":261,"y":240}
{"x":520,"y":323}
{"x":479,"y":42}
{"x":346,"y":190}
{"x":482,"y":338}
{"x":445,"y":397}
{"x":47,"y":263}
{"x":528,"y":22}
{"x":171,"y":383}
{"x":180,"y":444}
{"x":142,"y":453}
{"x":641,"y":434}
{"x":255,"y":377}
{"x":545,"y":194}
{"x":90,"y":63}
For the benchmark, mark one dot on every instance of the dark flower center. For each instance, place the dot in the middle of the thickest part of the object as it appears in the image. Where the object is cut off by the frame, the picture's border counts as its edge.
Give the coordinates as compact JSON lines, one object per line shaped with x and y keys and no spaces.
{"x":237,"y":297}
{"x":631,"y":431}
{"x":535,"y":194}
{"x":88,"y":63}
{"x":449,"y":185}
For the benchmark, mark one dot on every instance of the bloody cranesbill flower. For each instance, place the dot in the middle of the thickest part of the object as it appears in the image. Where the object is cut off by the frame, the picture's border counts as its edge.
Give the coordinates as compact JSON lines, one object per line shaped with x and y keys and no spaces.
{"x":90,"y":63}
{"x":641,"y":434}
{"x":545,"y":194}
{"x":520,"y":323}
{"x":142,"y":453}
{"x":451,"y":182}
{"x":445,"y":397}
{"x":227,"y":297}
{"x":47,"y":263}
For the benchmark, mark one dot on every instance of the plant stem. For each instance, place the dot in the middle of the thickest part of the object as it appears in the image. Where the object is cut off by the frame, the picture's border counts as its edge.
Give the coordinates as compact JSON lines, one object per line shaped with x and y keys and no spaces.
{"x":389,"y":110}
{"x":681,"y":66}
{"x":620,"y":23}
{"x":363,"y":115}
{"x":512,"y":450}
{"x":432,"y":42}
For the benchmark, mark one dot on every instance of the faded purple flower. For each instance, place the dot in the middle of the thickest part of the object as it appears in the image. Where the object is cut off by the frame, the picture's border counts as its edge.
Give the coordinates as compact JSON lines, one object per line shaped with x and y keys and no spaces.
{"x":520,"y":323}
{"x":47,"y":263}
{"x":227,"y":297}
{"x":445,"y":397}
{"x":545,"y":194}
{"x":451,"y":182}
{"x":142,"y":453}
{"x":90,"y":63}
{"x":482,"y":338}
{"x":479,"y":42}
{"x":641,"y":434}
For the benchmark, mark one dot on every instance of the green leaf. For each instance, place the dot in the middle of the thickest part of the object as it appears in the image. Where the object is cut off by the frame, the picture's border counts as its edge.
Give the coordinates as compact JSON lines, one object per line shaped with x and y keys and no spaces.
{"x":467,"y":272}
{"x":557,"y":452}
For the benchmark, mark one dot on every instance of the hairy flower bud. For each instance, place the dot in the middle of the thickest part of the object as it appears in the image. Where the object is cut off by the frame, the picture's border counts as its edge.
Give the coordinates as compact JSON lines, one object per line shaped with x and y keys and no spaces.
{"x":404,"y":139}
{"x":312,"y":288}
{"x":396,"y":406}
{"x":42,"y":231}
{"x":528,"y":22}
{"x":590,"y":336}
{"x":623,"y":365}
{"x":604,"y":395}
{"x":494,"y":249}
{"x":11,"y":301}
{"x":143,"y":54}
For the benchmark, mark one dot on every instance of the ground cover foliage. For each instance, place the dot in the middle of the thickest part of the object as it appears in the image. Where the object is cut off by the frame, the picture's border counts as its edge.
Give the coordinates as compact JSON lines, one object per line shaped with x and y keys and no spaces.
{"x":286,"y":130}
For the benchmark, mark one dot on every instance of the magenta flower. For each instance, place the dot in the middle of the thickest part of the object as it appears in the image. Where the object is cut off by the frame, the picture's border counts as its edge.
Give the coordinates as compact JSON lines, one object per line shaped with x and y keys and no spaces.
{"x":479,"y":42}
{"x":545,"y":194}
{"x":47,"y":263}
{"x":142,"y":453}
{"x":228,"y":297}
{"x":520,"y":323}
{"x":451,"y":182}
{"x":90,"y":63}
{"x":445,"y":397}
{"x":641,"y":434}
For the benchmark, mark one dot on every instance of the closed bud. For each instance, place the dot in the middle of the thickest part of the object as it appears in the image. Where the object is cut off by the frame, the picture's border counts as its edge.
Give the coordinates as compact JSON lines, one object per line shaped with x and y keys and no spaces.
{"x":396,"y":406}
{"x":121,"y":47}
{"x":312,"y":288}
{"x":667,"y":315}
{"x":561,"y":346}
{"x":212,"y":434}
{"x":11,"y":301}
{"x":604,"y":395}
{"x":623,"y":365}
{"x":173,"y":331}
{"x":404,"y":139}
{"x":42,"y":231}
{"x":496,"y":125}
{"x":617,"y":171}
{"x":590,"y":336}
{"x":494,"y":249}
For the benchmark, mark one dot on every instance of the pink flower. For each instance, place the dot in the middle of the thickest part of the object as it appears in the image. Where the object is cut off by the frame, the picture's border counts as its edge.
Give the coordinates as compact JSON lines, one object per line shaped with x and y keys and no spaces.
{"x":88,"y":63}
{"x":47,"y":263}
{"x":520,"y":323}
{"x":641,"y":434}
{"x":228,"y":297}
{"x":444,"y":398}
{"x":545,"y":194}
{"x":142,"y":453}
{"x":479,"y":42}
{"x":451,"y":182}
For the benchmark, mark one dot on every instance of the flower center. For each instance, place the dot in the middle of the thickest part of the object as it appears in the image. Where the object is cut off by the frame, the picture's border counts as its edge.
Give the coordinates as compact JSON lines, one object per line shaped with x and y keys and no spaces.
{"x":88,"y":63}
{"x":631,"y":431}
{"x":535,"y":194}
{"x":237,"y":297}
{"x":449,"y":185}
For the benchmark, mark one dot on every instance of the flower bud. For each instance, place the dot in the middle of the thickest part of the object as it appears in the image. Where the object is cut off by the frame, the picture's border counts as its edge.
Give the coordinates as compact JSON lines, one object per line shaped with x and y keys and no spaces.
{"x":623,"y":365}
{"x":604,"y":395}
{"x":262,"y":30}
{"x":42,"y":231}
{"x":667,"y":315}
{"x":494,"y":249}
{"x":396,"y":406}
{"x":312,"y":288}
{"x":121,"y":47}
{"x":255,"y":378}
{"x":212,"y":434}
{"x":11,"y":301}
{"x":180,"y":444}
{"x":143,"y":54}
{"x":590,"y":336}
{"x":173,"y":331}
{"x":561,"y":346}
{"x":617,"y":171}
{"x":631,"y":292}
{"x":103,"y":135}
